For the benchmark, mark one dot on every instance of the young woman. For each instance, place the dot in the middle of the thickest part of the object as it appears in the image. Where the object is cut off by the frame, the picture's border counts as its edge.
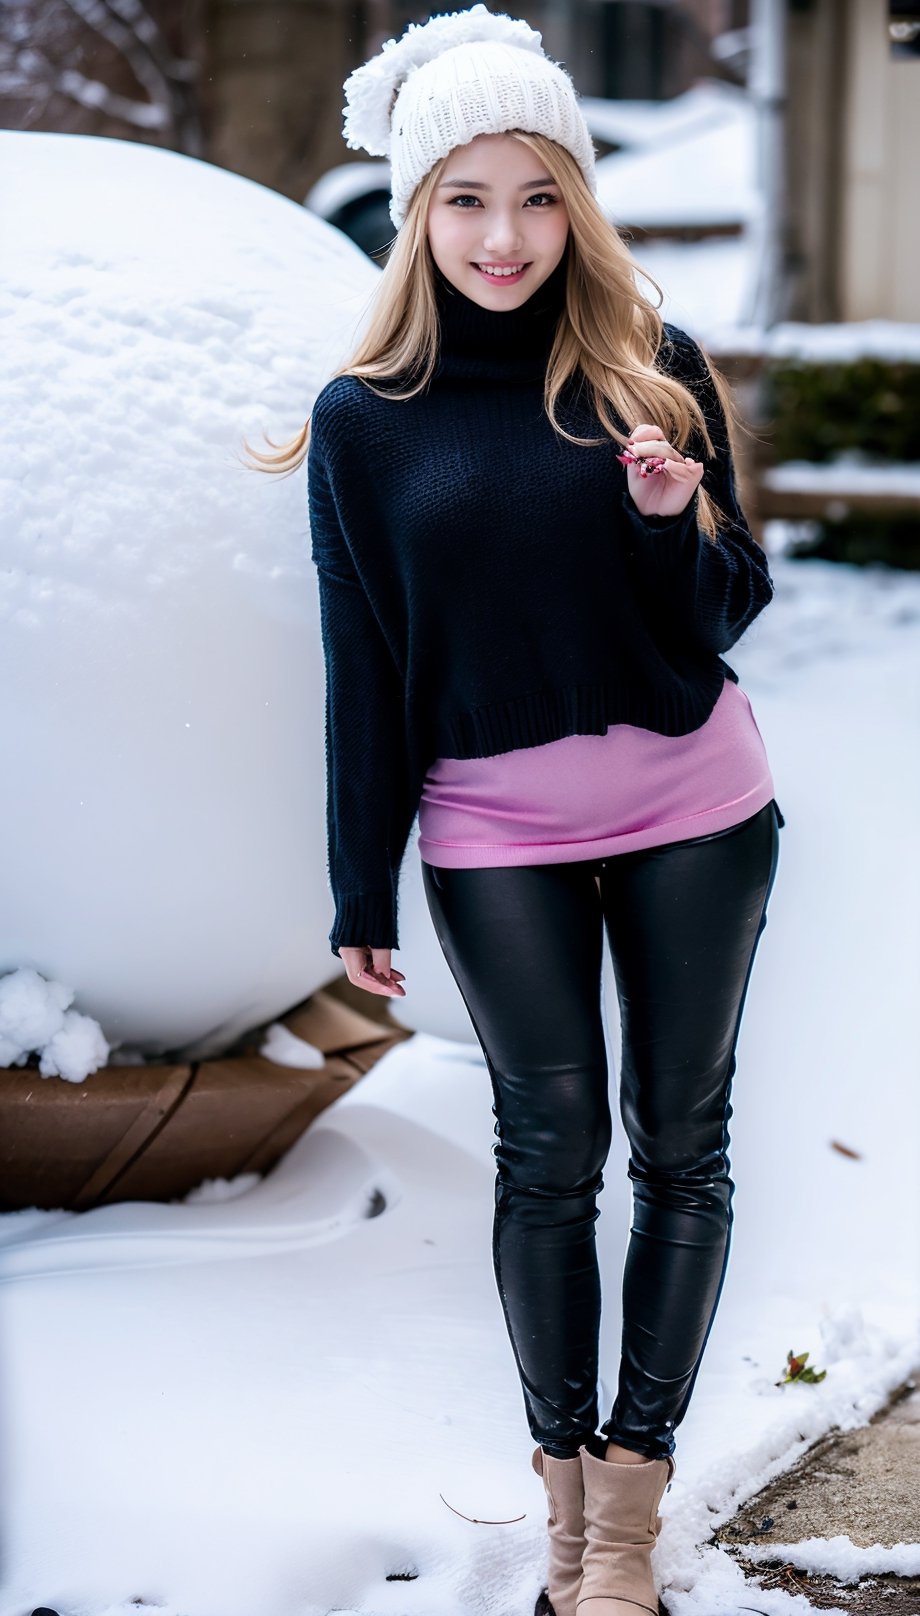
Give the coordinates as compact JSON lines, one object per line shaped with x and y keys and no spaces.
{"x":530,"y":557}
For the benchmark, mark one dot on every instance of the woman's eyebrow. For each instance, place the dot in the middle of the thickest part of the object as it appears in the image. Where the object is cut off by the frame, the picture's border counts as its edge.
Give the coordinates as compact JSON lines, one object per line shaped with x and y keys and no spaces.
{"x":478,"y":185}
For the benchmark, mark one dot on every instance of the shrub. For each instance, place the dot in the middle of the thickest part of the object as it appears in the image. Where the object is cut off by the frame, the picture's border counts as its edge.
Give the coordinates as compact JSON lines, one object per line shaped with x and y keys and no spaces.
{"x":867,"y":404}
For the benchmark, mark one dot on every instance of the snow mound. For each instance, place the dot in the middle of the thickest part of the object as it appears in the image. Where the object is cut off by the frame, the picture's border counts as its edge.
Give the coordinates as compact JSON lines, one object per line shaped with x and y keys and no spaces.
{"x":161,"y":666}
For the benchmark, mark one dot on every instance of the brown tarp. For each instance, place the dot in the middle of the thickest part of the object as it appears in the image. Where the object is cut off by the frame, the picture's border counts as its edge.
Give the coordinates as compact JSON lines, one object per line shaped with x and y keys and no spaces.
{"x":154,"y":1132}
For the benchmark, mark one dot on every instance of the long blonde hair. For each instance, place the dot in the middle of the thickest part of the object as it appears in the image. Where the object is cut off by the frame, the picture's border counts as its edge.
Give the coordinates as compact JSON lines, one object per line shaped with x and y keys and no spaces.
{"x":610,"y":331}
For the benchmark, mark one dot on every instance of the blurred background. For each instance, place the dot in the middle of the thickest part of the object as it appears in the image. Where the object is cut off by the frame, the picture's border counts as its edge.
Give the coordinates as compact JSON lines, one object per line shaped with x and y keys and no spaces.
{"x":756,"y":154}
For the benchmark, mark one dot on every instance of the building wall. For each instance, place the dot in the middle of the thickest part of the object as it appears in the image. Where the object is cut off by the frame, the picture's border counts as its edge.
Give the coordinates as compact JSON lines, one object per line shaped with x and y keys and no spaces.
{"x":275,"y":95}
{"x":813,"y":165}
{"x":880,"y":217}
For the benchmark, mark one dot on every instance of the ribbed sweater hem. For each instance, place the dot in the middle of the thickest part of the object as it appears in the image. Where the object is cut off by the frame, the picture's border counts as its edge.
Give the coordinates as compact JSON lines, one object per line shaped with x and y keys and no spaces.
{"x":582,"y":709}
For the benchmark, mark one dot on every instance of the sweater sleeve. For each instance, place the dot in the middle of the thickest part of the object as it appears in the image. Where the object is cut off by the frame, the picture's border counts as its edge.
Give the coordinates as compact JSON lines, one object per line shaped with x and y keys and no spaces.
{"x":711,"y":589}
{"x":367,"y":811}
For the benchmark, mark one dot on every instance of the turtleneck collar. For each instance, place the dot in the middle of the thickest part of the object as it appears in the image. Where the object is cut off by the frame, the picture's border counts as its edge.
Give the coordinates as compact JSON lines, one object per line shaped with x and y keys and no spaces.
{"x":498,"y":345}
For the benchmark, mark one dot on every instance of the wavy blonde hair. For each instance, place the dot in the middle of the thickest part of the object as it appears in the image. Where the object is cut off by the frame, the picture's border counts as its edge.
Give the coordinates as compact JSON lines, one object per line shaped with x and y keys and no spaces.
{"x":610,"y":331}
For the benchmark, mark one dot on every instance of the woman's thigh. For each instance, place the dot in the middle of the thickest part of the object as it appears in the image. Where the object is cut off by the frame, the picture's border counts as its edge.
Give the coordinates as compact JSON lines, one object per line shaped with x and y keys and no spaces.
{"x":525,"y":946}
{"x":683,"y":921}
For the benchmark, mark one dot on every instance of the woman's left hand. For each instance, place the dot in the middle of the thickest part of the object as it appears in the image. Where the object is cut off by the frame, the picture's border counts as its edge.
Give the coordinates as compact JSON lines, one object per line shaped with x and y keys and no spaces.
{"x":661,"y":480}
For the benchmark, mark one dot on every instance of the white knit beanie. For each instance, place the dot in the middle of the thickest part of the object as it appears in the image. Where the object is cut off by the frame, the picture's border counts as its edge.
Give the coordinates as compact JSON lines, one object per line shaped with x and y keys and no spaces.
{"x":443,"y":82}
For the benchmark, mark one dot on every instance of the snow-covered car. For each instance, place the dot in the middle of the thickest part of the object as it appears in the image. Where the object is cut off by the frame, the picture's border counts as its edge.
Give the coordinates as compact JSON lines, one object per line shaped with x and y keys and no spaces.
{"x":355,"y":198}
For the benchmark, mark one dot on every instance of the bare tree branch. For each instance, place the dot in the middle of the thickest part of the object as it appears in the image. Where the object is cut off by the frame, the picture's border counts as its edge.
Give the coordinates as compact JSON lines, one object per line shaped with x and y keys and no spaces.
{"x":149,"y":76}
{"x":42,"y":55}
{"x":147,"y":31}
{"x":90,"y":93}
{"x":32,"y":72}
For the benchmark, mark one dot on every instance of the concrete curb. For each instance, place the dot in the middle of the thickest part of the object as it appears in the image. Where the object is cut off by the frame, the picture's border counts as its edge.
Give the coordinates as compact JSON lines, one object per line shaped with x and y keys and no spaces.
{"x":862,"y":1484}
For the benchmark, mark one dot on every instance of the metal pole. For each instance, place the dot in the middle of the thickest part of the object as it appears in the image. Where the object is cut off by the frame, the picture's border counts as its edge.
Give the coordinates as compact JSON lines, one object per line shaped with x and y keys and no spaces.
{"x":768,"y":91}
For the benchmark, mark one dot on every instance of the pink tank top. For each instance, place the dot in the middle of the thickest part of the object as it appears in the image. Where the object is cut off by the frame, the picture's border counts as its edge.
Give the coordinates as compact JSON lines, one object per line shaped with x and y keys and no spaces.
{"x":587,"y":796}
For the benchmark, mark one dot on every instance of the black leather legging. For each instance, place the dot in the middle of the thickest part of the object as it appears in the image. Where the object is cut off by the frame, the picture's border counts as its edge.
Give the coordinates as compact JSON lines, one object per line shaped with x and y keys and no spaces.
{"x":524,"y":945}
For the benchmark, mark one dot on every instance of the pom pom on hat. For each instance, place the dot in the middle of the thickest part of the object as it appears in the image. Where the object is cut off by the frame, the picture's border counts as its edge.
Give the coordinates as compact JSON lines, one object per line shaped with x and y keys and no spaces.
{"x":371,"y":90}
{"x":446,"y":81}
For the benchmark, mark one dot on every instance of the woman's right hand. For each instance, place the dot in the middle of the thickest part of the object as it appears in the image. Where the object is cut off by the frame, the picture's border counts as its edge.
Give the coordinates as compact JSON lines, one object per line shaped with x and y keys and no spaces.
{"x":369,"y":968}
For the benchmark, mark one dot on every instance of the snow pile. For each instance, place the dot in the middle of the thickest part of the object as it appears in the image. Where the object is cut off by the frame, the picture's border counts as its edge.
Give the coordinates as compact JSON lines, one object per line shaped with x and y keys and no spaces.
{"x":34,"y":1016}
{"x":841,"y":1558}
{"x":221,"y":1189}
{"x":161,"y":670}
{"x":285,"y":1048}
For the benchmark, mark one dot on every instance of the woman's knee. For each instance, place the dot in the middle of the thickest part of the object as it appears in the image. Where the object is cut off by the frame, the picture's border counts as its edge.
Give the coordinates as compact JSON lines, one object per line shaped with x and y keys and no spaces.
{"x":678,"y":1123}
{"x":556,"y":1150}
{"x":695,"y":1151}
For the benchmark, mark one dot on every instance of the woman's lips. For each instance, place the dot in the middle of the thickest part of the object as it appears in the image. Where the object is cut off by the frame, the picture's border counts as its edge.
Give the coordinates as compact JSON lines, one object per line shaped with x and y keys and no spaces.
{"x":502,"y":280}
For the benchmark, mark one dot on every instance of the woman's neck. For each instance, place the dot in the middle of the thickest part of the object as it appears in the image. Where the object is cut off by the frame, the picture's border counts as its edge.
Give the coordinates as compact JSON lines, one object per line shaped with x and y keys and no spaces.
{"x":498,"y":345}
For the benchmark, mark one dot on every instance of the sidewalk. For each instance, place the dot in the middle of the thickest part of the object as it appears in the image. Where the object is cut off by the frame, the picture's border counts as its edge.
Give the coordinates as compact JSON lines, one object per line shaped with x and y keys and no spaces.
{"x":863,"y":1485}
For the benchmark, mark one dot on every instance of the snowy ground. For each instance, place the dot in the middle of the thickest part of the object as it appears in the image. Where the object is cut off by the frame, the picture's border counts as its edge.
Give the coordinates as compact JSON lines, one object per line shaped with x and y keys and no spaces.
{"x":273,"y":1402}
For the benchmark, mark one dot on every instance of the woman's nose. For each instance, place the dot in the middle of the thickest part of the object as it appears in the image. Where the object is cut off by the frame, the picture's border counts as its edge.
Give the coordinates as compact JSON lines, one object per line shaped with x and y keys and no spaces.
{"x":502,"y":235}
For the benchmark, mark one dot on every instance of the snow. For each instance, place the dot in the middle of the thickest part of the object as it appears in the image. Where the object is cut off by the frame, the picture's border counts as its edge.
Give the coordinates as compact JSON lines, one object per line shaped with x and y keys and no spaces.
{"x":76,"y":1049}
{"x":834,"y":344}
{"x":847,"y":474}
{"x":697,"y":175}
{"x":245,"y":1360}
{"x":34,"y":1016}
{"x":284,"y":1048}
{"x":702,"y":282}
{"x":708,"y":104}
{"x":222,"y":1189}
{"x":841,"y":1558}
{"x":160,"y":661}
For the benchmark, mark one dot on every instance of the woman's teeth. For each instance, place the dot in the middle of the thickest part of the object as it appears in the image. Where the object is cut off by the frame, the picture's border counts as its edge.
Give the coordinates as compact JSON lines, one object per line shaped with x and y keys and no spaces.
{"x":510,"y":269}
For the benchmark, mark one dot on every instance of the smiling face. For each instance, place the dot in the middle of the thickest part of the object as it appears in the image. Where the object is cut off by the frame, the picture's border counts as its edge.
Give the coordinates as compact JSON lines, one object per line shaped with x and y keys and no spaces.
{"x":494,"y":206}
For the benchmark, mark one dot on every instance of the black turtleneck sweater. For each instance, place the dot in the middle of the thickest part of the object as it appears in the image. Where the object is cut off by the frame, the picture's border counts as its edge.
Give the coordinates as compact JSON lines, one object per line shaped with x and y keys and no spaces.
{"x":486,"y":585}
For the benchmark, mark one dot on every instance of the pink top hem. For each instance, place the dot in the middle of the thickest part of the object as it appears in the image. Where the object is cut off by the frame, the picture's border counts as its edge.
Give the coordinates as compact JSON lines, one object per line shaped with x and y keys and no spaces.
{"x":623,"y":791}
{"x":489,"y":855}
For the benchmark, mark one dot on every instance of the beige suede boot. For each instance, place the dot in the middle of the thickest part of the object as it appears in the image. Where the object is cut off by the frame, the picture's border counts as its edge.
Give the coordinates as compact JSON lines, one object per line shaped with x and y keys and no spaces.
{"x":565,"y":1496}
{"x":621,"y":1528}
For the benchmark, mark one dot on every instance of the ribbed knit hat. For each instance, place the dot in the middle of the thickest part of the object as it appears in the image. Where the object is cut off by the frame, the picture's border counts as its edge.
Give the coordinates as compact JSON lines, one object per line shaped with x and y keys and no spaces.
{"x":443,"y":82}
